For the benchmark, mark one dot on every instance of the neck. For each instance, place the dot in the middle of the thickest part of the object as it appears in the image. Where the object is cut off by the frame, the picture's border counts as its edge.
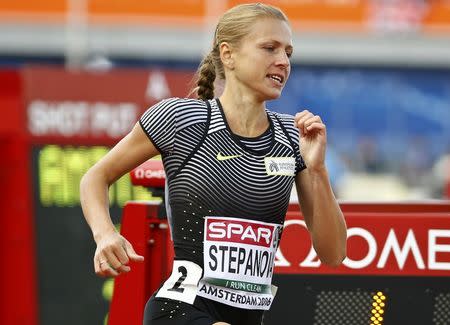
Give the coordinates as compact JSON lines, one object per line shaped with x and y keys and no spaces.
{"x":245,"y":114}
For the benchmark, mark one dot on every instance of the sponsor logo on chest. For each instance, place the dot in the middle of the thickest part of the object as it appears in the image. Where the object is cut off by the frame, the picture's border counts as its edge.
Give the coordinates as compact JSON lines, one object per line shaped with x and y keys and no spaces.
{"x":282,"y":166}
{"x":239,"y":232}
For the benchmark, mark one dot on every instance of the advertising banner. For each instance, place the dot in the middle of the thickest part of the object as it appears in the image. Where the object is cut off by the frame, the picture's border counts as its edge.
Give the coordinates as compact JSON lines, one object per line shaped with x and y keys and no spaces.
{"x":403,"y":244}
{"x":91,"y":107}
{"x":351,"y":15}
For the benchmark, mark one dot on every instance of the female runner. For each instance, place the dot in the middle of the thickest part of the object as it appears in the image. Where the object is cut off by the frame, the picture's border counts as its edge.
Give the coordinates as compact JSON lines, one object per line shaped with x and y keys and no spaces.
{"x":230,"y":166}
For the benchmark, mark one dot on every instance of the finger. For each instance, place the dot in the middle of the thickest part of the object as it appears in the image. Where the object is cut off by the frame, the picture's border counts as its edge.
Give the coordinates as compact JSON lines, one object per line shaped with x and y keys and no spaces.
{"x":316,"y":126}
{"x":299,"y":115}
{"x":121,"y":253}
{"x":99,"y":259}
{"x":103,"y":268}
{"x":132,"y":254}
{"x":107,"y":270}
{"x":115,"y":263}
{"x":96,"y":266}
{"x":304,"y":118}
{"x":301,"y":122}
{"x":311,"y":120}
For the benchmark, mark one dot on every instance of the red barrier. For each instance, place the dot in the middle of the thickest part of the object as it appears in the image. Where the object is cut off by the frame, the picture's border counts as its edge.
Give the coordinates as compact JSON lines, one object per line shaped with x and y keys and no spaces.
{"x":18,"y":276}
{"x":150,"y":237}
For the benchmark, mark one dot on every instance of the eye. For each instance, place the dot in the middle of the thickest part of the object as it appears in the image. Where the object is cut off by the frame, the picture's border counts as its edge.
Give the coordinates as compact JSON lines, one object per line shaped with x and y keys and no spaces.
{"x":269,"y":48}
{"x":289,"y":54}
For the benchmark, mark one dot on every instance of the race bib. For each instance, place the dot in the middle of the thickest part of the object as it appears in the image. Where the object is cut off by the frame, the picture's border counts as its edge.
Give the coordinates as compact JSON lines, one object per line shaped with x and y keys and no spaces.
{"x":238,"y":262}
{"x":182,"y":283}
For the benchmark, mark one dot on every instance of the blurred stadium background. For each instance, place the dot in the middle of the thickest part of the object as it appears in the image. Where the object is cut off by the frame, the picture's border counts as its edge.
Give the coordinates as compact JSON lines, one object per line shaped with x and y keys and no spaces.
{"x":377,"y":71}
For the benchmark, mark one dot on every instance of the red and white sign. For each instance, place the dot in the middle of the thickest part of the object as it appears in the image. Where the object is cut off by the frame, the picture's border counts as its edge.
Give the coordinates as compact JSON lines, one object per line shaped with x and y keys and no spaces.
{"x":378,"y":244}
{"x":149,"y":174}
{"x":87,"y":107}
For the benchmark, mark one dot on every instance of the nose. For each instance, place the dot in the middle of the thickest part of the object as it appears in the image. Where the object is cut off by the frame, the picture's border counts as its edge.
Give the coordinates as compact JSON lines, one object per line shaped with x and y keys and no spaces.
{"x":283,"y":60}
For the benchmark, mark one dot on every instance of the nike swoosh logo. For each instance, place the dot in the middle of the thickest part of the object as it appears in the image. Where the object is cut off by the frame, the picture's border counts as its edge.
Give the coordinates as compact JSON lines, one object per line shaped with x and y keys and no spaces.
{"x":220,"y":157}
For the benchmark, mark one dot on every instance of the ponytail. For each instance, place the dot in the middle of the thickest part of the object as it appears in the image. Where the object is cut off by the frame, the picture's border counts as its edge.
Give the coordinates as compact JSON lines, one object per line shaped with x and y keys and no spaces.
{"x":206,"y":77}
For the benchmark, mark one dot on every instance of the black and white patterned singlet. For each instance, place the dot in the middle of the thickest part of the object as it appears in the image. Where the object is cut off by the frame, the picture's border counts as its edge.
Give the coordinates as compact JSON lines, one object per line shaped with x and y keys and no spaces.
{"x":228,"y":196}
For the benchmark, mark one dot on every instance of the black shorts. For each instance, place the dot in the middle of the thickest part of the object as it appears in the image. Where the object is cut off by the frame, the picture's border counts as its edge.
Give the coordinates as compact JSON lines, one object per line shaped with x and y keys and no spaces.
{"x":163,"y":311}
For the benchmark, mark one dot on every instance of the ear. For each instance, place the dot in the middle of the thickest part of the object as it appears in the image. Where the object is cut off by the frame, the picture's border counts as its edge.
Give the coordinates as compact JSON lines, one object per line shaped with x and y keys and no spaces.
{"x":226,"y":55}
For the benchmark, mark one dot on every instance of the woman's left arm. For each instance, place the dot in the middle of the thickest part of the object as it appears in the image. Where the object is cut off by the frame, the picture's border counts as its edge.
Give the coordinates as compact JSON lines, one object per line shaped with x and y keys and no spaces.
{"x":323,"y":216}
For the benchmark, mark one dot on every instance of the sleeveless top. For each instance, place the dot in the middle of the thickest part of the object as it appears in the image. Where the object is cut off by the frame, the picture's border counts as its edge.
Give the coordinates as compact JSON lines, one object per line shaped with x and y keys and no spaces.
{"x":228,"y":196}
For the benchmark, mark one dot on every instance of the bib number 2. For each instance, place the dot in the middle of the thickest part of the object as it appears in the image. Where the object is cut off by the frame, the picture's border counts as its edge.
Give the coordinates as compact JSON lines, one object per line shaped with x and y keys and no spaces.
{"x":176,"y":286}
{"x":182,"y":283}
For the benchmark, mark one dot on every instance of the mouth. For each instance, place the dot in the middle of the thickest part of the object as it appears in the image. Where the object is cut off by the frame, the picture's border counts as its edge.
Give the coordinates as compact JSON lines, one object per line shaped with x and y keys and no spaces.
{"x":278,"y":78}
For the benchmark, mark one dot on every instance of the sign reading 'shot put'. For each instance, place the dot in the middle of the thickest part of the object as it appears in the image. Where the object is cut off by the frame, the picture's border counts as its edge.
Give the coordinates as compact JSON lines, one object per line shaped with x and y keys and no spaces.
{"x":92,"y":107}
{"x":238,"y":262}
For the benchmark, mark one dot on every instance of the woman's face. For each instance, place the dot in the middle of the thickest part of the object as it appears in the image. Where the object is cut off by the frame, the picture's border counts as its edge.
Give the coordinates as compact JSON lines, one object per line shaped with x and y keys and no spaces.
{"x":262,"y":61}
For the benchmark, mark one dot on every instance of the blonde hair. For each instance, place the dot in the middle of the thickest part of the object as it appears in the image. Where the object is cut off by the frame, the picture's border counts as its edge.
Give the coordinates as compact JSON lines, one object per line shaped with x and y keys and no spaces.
{"x":231,"y":28}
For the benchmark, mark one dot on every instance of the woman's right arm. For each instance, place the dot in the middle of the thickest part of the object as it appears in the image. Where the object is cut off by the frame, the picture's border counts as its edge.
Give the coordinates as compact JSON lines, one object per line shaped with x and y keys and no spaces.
{"x":113,"y":251}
